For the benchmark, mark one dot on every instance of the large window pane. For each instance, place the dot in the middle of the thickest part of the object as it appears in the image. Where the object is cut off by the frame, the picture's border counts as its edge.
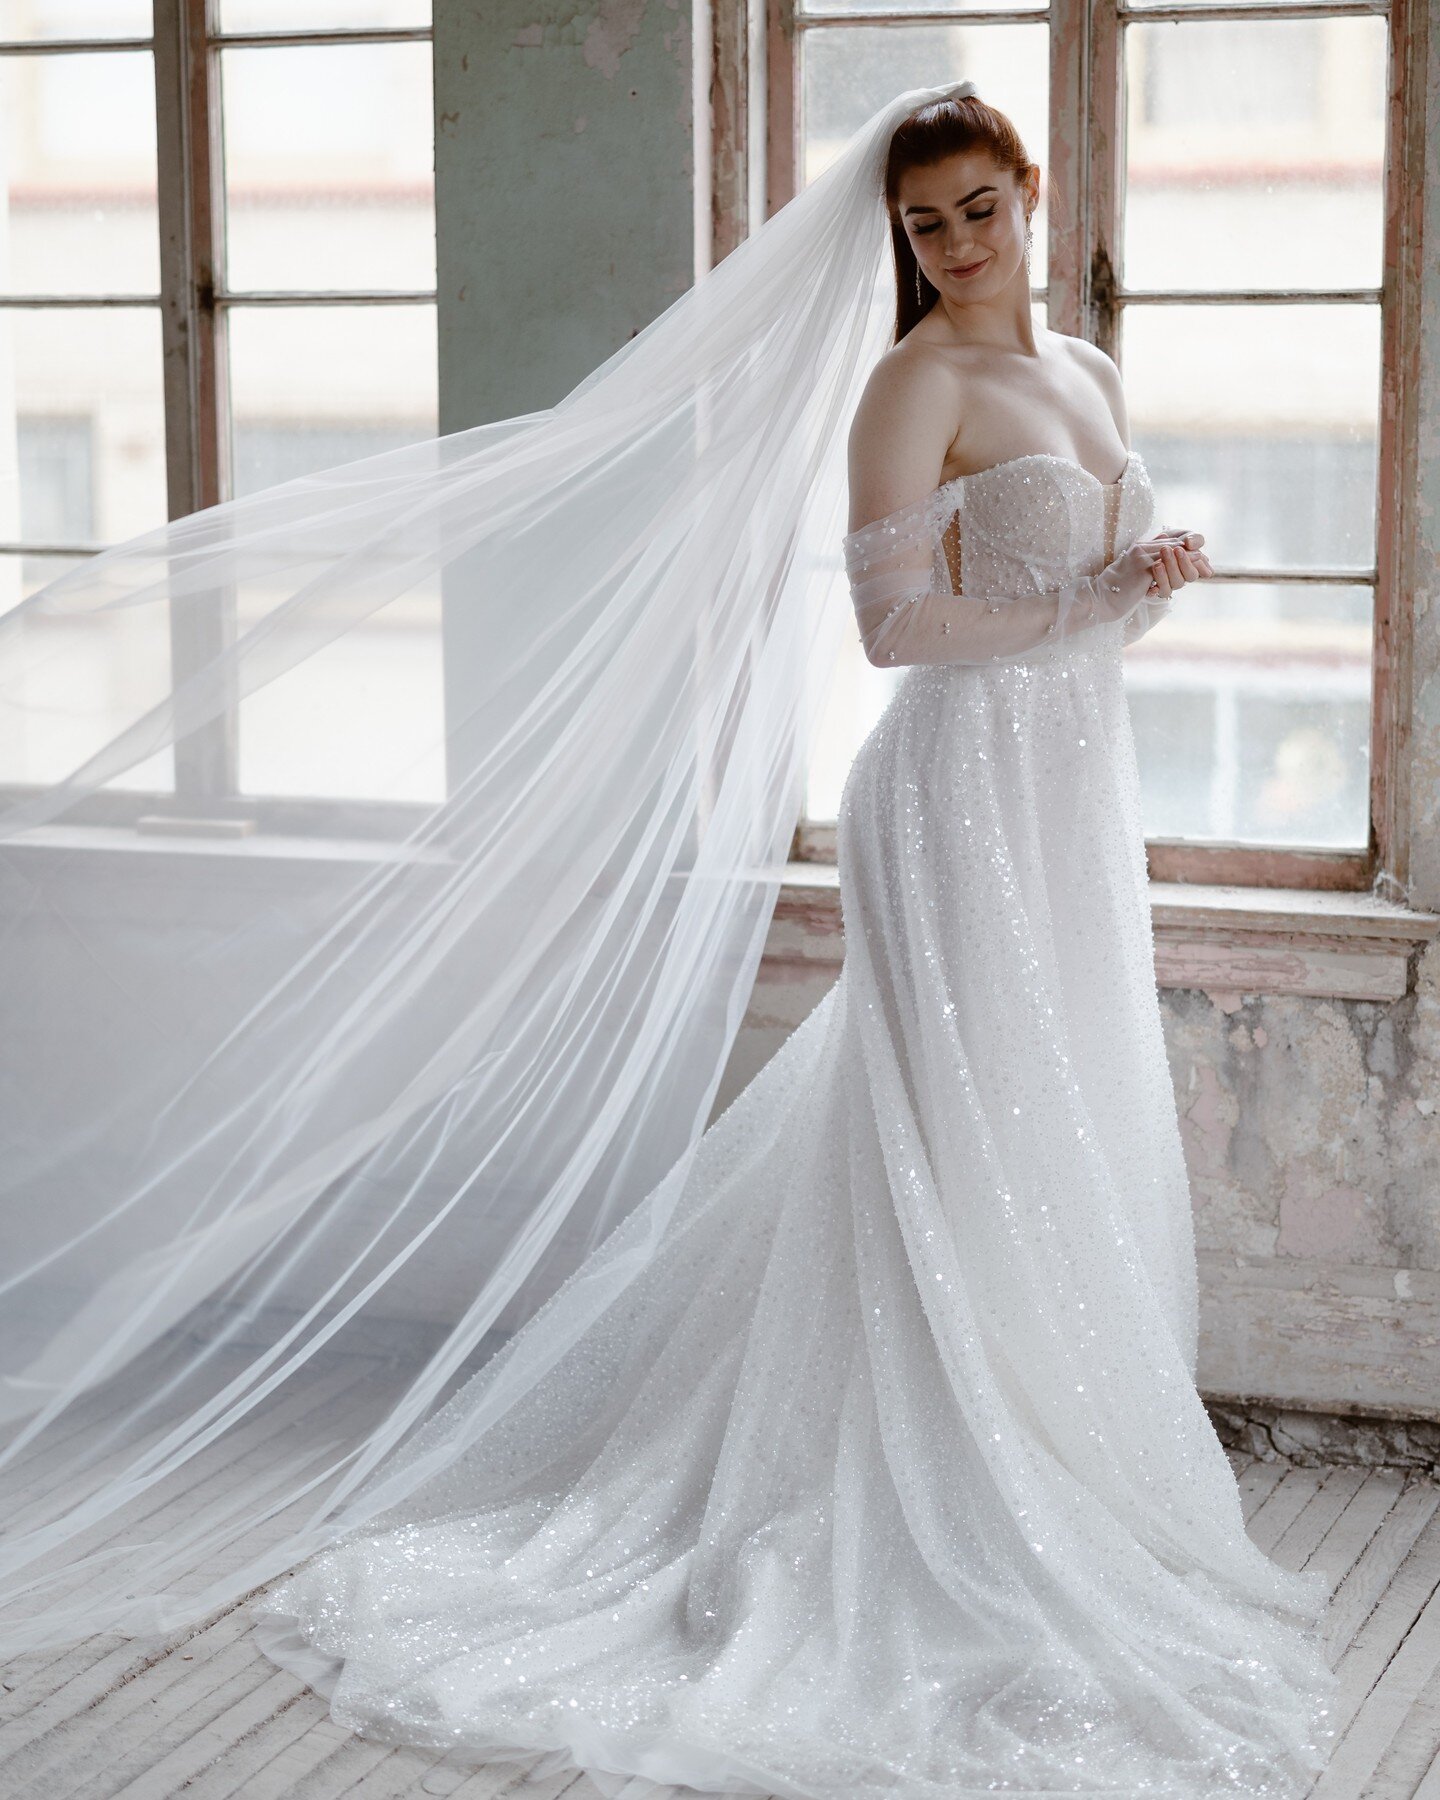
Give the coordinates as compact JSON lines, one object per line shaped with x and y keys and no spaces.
{"x":310,"y":381}
{"x":1251,"y":708}
{"x":75,"y":680}
{"x":904,"y":6}
{"x":1257,"y":424}
{"x":78,"y":191}
{"x":84,"y":423}
{"x":314,"y":387}
{"x":324,"y":15}
{"x":329,"y":156}
{"x":358,"y":720}
{"x":858,"y":694}
{"x":1255,"y":154}
{"x":39,"y":21}
{"x":1144,"y":5}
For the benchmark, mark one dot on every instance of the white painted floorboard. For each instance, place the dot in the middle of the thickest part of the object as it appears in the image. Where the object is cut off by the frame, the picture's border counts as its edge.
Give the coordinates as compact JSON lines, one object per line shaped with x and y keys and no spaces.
{"x":206,"y":1717}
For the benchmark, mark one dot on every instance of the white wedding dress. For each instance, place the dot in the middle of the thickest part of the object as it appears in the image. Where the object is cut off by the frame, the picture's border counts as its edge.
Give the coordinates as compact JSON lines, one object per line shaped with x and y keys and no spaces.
{"x":887,"y":1476}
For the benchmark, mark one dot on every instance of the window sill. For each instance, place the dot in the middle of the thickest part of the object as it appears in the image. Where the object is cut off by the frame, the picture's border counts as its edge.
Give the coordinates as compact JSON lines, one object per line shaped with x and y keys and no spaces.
{"x":1228,"y":941}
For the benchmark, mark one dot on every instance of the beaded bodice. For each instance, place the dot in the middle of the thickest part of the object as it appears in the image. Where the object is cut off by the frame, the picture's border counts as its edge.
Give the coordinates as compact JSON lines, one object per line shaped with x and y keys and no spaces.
{"x":1034,"y":522}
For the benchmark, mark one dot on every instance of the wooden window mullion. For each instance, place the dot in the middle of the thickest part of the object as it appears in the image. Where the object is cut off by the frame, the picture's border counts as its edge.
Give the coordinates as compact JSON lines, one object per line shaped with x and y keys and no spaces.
{"x":191,"y":206}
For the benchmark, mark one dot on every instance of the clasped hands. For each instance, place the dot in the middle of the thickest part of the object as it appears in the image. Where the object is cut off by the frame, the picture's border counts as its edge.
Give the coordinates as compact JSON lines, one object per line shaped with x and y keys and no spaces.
{"x":1175,"y":558}
{"x":1153,"y":567}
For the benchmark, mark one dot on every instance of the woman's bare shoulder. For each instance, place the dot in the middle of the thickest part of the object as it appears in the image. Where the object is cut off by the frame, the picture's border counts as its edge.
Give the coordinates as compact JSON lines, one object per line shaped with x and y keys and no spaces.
{"x":913,"y":372}
{"x":903,"y":426}
{"x":1087,"y":356}
{"x":1099,"y":365}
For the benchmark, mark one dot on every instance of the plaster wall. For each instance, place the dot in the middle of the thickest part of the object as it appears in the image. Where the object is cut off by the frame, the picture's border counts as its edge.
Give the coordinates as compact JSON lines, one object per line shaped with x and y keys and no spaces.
{"x":564,"y":191}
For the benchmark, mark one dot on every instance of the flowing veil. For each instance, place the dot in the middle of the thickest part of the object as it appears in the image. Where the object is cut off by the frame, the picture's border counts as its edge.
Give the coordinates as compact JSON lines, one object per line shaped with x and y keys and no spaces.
{"x":346,"y":1110}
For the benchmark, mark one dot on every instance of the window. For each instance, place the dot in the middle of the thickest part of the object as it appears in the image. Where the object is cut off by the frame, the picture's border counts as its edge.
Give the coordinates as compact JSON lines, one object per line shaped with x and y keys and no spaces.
{"x":1214,"y":214}
{"x":217,"y":271}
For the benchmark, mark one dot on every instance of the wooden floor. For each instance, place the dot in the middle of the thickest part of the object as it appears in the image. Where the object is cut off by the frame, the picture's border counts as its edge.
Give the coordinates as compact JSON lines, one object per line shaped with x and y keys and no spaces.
{"x":208,"y":1717}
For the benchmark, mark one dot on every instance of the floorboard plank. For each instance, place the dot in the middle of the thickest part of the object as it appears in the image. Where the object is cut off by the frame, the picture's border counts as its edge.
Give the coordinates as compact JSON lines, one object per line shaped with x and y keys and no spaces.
{"x":1413,"y":1751}
{"x":275,"y":1427}
{"x":132,"y":1728}
{"x":1346,"y":1541}
{"x":260,"y":1764}
{"x":1304,"y":1535}
{"x":1367,"y":1585}
{"x":1283,"y":1505}
{"x":1256,"y":1485}
{"x":109,"y":1691}
{"x":1429,"y":1788}
{"x":1385,"y":1705}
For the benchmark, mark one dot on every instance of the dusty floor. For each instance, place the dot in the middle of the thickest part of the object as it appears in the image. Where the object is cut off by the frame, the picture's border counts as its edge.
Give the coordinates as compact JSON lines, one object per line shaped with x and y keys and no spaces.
{"x":208,"y":1717}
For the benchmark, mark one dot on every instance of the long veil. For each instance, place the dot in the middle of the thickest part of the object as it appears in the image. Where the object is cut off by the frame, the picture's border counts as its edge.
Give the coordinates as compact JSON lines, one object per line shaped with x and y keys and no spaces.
{"x":299,"y":1129}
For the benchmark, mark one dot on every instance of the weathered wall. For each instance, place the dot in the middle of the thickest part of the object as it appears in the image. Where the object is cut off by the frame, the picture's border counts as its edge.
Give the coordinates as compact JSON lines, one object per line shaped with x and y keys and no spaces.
{"x":564,"y":172}
{"x":565,"y":218}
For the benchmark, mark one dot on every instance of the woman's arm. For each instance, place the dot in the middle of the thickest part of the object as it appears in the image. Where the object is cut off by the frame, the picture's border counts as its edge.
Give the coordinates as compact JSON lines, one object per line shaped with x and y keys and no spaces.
{"x":904,"y":618}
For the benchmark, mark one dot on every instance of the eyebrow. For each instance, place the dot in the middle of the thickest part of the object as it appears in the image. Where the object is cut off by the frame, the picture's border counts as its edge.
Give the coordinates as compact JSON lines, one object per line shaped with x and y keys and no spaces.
{"x":974,"y":192}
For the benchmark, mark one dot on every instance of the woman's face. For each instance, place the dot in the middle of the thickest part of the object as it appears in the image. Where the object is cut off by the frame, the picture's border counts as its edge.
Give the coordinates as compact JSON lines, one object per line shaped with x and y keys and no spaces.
{"x":965,"y":218}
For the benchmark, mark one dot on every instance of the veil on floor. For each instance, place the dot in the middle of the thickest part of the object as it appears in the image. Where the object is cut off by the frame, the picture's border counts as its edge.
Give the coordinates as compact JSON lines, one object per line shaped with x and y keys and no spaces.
{"x":291,"y":1147}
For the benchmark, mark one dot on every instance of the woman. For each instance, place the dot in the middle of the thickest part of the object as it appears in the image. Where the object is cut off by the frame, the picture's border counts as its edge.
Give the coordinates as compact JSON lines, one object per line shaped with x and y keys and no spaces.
{"x":862,"y":1454}
{"x":889,"y":1474}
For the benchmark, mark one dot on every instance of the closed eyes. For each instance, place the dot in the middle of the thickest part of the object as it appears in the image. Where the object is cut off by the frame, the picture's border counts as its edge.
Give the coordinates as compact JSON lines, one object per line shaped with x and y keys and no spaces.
{"x":925,"y":230}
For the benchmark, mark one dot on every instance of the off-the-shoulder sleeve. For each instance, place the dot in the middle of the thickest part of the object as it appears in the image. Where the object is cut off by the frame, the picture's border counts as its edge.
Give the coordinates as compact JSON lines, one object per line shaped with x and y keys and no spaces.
{"x":908,"y":613}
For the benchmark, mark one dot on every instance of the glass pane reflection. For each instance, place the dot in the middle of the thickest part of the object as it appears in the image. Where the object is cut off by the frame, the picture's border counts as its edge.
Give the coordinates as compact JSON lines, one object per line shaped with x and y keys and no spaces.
{"x":329,"y":154}
{"x":77,"y":679}
{"x":1251,"y":709}
{"x":78,"y":186}
{"x":1251,"y":160}
{"x":1257,"y":424}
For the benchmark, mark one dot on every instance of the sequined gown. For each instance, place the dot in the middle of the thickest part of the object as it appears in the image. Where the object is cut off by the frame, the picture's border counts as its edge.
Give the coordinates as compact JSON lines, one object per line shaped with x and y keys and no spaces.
{"x":887,"y":1476}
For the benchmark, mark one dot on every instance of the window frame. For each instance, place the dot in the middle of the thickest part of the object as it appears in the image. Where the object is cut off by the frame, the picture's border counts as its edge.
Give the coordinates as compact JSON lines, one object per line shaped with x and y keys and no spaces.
{"x":195,"y":303}
{"x":1085,"y":195}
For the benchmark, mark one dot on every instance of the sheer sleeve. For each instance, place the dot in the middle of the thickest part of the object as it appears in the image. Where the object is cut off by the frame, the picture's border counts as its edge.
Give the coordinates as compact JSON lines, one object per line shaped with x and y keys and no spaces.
{"x":908,"y":612}
{"x":1145,"y":617}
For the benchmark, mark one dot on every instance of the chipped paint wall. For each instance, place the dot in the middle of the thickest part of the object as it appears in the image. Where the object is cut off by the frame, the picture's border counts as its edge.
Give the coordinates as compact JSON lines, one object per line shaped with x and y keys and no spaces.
{"x":564,"y":183}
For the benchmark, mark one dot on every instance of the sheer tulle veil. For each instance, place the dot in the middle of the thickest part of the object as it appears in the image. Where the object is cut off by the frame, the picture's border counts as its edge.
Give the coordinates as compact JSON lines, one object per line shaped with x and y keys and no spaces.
{"x":298,"y":1137}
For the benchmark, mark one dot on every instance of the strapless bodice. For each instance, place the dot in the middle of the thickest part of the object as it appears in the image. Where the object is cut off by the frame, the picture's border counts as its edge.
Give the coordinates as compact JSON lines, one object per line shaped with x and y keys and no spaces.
{"x":1035,"y":521}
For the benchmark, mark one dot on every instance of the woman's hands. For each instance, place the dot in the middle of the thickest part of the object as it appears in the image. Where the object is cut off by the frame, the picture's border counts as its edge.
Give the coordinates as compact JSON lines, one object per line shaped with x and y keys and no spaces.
{"x":1152,"y":568}
{"x":1175,"y":558}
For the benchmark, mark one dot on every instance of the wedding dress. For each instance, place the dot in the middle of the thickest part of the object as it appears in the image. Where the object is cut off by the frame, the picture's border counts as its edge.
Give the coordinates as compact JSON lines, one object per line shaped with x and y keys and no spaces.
{"x":887,"y":1474}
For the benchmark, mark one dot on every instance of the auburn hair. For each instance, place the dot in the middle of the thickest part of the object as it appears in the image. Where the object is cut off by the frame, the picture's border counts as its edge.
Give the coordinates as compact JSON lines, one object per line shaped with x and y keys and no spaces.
{"x":930,"y":134}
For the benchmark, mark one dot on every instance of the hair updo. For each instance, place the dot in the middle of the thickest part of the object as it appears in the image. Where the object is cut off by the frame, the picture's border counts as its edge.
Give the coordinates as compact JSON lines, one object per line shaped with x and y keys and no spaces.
{"x":930,"y":134}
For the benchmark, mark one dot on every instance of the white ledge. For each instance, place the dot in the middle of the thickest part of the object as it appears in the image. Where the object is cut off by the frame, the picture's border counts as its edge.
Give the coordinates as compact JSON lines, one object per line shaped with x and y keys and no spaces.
{"x":1227,"y":941}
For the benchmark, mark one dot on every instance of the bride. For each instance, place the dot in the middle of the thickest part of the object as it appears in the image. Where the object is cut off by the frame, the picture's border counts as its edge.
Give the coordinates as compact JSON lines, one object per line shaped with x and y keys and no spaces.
{"x":365,"y":1252}
{"x":887,"y":1474}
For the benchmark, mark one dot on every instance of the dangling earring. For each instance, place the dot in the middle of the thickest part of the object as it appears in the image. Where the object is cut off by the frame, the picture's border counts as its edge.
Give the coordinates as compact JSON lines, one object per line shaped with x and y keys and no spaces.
{"x":1029,"y":240}
{"x":919,"y":296}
